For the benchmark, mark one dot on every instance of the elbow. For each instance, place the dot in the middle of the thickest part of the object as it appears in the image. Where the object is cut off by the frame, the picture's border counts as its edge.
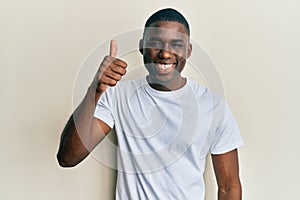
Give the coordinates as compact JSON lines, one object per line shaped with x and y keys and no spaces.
{"x":231,"y":191}
{"x":63,"y":162}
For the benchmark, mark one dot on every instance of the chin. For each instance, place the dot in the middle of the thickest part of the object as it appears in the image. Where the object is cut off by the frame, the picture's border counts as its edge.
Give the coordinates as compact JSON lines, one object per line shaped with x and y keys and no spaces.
{"x":159,"y":79}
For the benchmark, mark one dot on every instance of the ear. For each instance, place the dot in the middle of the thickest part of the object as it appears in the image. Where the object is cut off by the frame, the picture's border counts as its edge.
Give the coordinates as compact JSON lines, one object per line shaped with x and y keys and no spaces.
{"x":141,"y":48}
{"x":190,"y":48}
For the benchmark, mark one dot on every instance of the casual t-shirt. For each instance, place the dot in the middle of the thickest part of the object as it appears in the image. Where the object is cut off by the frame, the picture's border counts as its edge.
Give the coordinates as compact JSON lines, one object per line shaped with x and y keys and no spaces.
{"x":164,"y":137}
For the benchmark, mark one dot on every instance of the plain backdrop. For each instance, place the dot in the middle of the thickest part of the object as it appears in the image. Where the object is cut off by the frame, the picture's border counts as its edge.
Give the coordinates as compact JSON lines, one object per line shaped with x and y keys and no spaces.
{"x":254,"y":45}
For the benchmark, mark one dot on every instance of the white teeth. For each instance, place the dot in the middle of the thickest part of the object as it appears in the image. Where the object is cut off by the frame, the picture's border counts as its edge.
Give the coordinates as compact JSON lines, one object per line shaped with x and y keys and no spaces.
{"x":165,"y":66}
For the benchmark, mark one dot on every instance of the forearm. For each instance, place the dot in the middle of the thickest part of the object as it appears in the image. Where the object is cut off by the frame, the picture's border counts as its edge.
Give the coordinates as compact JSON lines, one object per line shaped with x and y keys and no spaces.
{"x":226,"y":169}
{"x":76,"y":142}
{"x":69,"y":149}
{"x":82,"y":132}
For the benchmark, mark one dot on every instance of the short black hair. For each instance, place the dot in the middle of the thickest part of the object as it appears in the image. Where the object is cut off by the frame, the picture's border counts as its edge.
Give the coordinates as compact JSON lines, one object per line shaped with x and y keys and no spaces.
{"x":168,"y":14}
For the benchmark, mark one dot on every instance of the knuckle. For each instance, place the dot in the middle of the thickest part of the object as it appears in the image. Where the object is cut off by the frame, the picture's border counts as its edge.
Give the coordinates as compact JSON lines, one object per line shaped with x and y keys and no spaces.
{"x":118,"y":77}
{"x":104,"y":71}
{"x":105,"y":81}
{"x":107,"y":61}
{"x":123,"y":71}
{"x":112,"y":82}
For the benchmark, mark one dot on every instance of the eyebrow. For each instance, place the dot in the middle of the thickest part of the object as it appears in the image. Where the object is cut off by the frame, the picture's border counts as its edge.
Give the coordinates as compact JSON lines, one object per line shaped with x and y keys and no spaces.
{"x":159,"y":39}
{"x":177,"y":40}
{"x":155,"y":38}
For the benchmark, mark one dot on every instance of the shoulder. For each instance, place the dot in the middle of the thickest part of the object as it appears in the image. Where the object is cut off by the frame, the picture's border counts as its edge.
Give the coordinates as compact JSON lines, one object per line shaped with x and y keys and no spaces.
{"x":196,"y":85}
{"x":209,"y":101}
{"x":204,"y":92}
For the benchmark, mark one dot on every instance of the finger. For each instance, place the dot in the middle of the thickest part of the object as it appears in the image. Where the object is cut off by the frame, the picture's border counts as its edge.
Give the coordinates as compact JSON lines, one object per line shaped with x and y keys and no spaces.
{"x":120,"y":63}
{"x":113,"y":48}
{"x":108,"y":81}
{"x":113,"y":75}
{"x":118,"y":69}
{"x":110,"y":61}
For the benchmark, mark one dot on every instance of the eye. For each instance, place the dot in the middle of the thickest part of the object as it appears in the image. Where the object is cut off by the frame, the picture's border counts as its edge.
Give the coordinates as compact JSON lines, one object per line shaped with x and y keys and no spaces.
{"x":177,"y":45}
{"x":154,"y":44}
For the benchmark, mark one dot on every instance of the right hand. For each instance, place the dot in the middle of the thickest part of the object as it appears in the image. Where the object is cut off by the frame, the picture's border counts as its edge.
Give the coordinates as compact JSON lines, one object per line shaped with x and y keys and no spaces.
{"x":110,"y":71}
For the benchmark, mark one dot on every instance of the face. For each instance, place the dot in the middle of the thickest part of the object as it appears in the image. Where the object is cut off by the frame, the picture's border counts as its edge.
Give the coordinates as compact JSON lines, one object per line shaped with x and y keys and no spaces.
{"x":165,"y":48}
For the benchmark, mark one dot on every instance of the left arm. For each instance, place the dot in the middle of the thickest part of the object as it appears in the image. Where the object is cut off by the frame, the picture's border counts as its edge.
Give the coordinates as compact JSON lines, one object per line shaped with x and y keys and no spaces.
{"x":226,"y":169}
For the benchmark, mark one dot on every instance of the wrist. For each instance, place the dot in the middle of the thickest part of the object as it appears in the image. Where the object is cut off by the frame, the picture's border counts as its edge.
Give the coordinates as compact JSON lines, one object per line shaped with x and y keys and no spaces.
{"x":94,"y":93}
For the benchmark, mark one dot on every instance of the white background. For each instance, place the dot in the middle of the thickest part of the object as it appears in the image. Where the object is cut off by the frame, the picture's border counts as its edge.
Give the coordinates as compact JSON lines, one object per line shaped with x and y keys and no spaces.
{"x":254,"y":44}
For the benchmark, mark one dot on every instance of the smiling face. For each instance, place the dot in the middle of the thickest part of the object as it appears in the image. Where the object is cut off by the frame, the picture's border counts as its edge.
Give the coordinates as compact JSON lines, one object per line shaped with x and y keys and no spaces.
{"x":165,"y":48}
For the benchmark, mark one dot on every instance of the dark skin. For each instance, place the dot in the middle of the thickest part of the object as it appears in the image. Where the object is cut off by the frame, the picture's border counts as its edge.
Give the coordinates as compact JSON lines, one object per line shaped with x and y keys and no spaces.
{"x":226,"y":169}
{"x":165,"y":43}
{"x":164,"y":53}
{"x":83,"y":132}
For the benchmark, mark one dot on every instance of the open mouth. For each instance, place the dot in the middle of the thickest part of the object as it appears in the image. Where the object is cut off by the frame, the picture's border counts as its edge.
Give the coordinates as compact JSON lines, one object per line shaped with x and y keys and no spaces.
{"x":164,"y":67}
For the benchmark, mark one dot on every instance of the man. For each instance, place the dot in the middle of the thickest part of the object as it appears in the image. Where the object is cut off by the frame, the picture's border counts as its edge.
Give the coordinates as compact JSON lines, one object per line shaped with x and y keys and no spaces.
{"x":166,"y":124}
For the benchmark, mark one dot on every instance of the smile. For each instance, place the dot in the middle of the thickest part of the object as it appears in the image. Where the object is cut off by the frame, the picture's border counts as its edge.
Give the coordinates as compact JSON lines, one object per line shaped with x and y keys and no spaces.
{"x":164,"y":66}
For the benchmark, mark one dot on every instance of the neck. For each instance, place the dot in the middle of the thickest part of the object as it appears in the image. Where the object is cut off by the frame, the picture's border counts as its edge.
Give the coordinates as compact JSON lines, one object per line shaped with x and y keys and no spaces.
{"x":172,"y":85}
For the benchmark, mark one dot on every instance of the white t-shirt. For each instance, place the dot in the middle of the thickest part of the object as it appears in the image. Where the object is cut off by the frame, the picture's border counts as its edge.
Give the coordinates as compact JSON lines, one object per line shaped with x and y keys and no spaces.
{"x":164,"y":137}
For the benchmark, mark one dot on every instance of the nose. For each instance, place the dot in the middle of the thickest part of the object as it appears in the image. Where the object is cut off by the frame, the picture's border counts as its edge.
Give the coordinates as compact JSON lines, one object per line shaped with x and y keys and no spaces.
{"x":165,"y":53}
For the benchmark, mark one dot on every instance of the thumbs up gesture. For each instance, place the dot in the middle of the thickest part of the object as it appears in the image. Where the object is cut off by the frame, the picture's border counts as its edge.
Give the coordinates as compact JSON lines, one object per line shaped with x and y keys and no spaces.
{"x":110,"y":70}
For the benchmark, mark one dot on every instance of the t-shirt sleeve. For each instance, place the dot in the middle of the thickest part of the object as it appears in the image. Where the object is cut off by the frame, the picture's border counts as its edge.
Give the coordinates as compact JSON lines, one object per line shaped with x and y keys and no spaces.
{"x":228,"y":134}
{"x":103,"y":109}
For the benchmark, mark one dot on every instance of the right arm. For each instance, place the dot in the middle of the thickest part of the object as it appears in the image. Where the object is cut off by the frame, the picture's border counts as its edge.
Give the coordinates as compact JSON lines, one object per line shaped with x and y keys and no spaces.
{"x":83,"y":132}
